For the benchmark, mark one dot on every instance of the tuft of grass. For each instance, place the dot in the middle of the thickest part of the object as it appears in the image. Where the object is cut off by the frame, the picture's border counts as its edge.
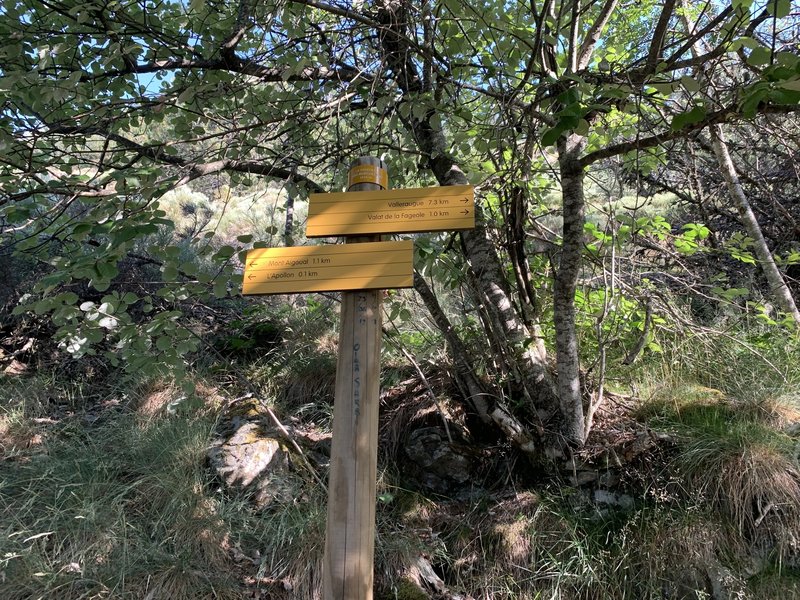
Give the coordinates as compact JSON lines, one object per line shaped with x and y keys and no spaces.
{"x":125,"y":506}
{"x":293,"y":545}
{"x":774,"y":583}
{"x":745,"y":363}
{"x":738,"y":458}
{"x":118,"y":510}
{"x":668,"y":553}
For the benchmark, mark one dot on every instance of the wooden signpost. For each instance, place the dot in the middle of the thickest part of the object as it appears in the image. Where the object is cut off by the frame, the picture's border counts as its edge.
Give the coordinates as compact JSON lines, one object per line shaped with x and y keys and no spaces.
{"x":347,"y":568}
{"x":361,"y":268}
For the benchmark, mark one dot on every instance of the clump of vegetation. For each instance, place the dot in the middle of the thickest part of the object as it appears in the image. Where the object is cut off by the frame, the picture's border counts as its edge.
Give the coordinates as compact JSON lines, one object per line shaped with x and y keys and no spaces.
{"x":739,"y":458}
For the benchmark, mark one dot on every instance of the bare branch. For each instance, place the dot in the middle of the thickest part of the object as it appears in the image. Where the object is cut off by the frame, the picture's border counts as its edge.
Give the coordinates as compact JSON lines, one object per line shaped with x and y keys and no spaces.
{"x":594,"y":33}
{"x":723,"y":115}
{"x":660,"y":33}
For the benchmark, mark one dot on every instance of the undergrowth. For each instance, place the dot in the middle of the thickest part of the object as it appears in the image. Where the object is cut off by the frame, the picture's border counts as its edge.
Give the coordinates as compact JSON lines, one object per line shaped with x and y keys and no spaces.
{"x":107,"y":493}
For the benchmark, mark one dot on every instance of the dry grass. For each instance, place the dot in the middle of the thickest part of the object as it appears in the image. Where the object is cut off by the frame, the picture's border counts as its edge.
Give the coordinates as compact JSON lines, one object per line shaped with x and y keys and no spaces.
{"x":675,"y":554}
{"x":155,"y":398}
{"x":120,"y":508}
{"x":18,"y":435}
{"x":517,"y":548}
{"x":125,"y":507}
{"x":738,"y":459}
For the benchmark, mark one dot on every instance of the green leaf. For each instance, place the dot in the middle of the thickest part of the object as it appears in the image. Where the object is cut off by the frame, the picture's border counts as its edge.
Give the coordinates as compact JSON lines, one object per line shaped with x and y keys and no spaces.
{"x":43,"y":306}
{"x":654,"y":347}
{"x":753,"y":98}
{"x":170,"y":272}
{"x":696,"y":231}
{"x":663,"y":88}
{"x":566,"y":123}
{"x":690,"y":83}
{"x":793,"y":85}
{"x":224,"y":253}
{"x":582,"y":128}
{"x":759,"y":56}
{"x":550,"y":137}
{"x":189,"y":268}
{"x":730,"y":294}
{"x":780,"y":8}
{"x":742,"y":256}
{"x":94,"y":336}
{"x":107,"y":270}
{"x":123,"y":235}
{"x":681,"y":120}
{"x":81,"y":230}
{"x":220,"y":288}
{"x":186,"y":96}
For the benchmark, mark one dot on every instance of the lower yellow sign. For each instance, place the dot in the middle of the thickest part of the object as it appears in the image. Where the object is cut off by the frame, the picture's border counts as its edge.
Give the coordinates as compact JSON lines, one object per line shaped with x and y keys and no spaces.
{"x":331,"y":268}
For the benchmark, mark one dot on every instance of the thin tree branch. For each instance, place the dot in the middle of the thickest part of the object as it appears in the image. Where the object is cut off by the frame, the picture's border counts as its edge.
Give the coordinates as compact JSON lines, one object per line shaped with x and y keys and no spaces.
{"x":594,"y":33}
{"x":660,"y":33}
{"x":723,"y":115}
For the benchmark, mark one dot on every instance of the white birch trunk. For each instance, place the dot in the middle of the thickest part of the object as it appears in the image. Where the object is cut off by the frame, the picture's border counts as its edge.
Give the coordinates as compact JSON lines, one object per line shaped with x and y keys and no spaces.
{"x":777,"y":285}
{"x":565,"y":286}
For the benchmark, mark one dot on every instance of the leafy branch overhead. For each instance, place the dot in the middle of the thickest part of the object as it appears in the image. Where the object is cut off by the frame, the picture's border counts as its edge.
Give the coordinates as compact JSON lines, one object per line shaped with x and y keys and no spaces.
{"x":107,"y":108}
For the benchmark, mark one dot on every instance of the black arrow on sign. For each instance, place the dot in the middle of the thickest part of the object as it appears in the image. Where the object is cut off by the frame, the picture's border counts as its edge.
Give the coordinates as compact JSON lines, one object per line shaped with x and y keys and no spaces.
{"x":466,"y":212}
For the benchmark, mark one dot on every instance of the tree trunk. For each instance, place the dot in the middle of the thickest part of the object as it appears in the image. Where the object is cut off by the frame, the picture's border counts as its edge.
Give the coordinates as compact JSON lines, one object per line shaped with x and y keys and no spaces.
{"x":775,"y":280}
{"x":479,"y":248}
{"x":777,"y":285}
{"x":565,"y":286}
{"x":465,"y":372}
{"x":488,"y":406}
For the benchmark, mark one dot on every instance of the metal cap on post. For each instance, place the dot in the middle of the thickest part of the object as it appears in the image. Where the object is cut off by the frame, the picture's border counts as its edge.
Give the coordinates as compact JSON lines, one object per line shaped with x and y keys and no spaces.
{"x":367,"y":173}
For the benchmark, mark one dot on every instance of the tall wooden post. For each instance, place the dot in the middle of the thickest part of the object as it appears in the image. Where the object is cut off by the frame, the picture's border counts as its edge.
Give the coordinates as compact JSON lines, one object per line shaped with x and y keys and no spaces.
{"x":350,"y":535}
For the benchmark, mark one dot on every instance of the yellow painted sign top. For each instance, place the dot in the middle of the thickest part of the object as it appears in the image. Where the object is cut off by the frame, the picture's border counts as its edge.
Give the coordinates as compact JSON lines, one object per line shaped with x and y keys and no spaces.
{"x":331,"y":268}
{"x":444,"y":208}
{"x":368,"y":174}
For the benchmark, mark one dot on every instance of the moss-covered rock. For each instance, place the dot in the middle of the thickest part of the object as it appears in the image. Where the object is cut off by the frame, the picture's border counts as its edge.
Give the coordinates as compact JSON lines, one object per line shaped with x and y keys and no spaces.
{"x":255,"y":462}
{"x":404,"y":589}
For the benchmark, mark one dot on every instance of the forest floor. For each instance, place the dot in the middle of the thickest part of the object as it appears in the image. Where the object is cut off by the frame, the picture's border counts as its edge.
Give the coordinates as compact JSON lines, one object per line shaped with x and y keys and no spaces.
{"x":107,"y":491}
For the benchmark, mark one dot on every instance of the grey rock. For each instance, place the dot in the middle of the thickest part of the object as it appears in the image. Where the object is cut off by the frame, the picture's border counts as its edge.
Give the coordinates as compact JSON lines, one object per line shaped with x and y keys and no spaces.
{"x":612,"y":499}
{"x":580,"y":478}
{"x":437,"y":464}
{"x":252,"y":461}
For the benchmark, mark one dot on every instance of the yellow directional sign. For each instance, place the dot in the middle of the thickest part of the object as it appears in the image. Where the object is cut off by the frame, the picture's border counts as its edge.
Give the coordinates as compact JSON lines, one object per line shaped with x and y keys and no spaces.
{"x":444,"y":208}
{"x":367,"y":266}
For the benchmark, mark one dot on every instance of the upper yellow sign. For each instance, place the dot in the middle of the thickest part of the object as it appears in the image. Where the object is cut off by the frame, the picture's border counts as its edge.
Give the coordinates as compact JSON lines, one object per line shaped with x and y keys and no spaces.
{"x":368,"y":266}
{"x":444,"y":208}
